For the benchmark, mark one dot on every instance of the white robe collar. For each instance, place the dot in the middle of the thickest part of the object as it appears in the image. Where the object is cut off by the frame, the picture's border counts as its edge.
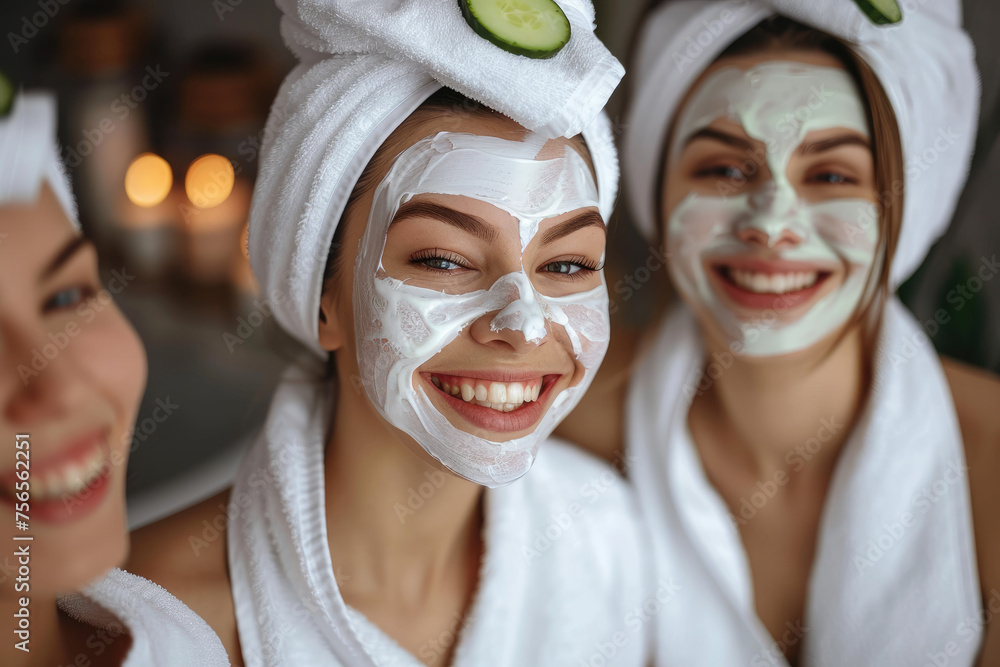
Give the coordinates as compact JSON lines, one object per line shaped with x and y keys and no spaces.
{"x":881,"y":592}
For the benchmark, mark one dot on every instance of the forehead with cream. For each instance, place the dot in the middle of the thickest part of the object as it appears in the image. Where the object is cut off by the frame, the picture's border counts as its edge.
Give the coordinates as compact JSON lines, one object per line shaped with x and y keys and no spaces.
{"x":400,"y":326}
{"x":776,"y":102}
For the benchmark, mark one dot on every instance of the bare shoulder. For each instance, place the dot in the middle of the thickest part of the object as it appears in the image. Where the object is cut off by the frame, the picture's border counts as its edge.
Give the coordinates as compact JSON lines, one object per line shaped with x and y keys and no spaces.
{"x":977,"y":403}
{"x":185,"y":553}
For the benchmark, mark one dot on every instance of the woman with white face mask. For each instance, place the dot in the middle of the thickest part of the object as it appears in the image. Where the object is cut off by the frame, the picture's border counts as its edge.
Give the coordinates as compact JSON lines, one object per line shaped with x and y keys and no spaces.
{"x":819,"y":485}
{"x":445,"y":262}
{"x":73,"y":373}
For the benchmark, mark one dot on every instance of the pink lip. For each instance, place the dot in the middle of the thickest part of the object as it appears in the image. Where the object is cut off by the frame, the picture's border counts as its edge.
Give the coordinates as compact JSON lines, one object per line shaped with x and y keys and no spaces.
{"x":489,"y":419}
{"x":719,"y":272}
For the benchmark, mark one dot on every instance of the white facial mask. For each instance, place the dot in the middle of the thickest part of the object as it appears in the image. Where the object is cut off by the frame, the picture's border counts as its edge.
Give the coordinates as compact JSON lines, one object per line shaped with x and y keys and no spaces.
{"x":777,"y":103}
{"x":399,"y":327}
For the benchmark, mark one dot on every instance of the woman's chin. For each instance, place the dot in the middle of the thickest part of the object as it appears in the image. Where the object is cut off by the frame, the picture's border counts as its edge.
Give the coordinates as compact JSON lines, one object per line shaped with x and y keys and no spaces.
{"x":97,"y":545}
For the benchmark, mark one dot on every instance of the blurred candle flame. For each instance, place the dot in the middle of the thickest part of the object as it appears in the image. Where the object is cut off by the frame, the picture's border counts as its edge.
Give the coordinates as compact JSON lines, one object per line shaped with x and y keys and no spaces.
{"x":209,"y":181}
{"x":148,"y":180}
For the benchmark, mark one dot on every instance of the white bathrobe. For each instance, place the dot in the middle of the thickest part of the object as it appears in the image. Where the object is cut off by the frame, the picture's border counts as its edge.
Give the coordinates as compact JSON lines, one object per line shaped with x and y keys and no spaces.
{"x":164,"y":632}
{"x":894,"y":580}
{"x":563,"y":580}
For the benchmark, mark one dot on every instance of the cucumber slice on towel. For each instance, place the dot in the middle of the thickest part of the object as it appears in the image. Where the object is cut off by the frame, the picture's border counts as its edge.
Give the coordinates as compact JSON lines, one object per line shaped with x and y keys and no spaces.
{"x":7,"y":92}
{"x":533,"y":28}
{"x":881,"y":12}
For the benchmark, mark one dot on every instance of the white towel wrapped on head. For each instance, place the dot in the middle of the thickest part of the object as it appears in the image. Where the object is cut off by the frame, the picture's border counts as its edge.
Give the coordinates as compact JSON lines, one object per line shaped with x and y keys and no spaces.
{"x":28,"y":147}
{"x":926,"y":64}
{"x":365,"y":66}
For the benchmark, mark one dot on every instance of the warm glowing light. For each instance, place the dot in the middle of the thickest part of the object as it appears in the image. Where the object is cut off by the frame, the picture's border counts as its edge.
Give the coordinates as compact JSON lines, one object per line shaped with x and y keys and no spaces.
{"x":148,"y":180}
{"x":209,"y":180}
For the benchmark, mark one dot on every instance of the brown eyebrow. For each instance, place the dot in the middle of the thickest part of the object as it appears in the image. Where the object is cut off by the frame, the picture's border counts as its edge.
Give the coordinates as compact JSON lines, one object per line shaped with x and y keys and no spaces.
{"x":834,"y":142}
{"x":585,"y":219}
{"x":717,"y":135}
{"x":74,"y":245}
{"x":814,"y":147}
{"x":468,"y":223}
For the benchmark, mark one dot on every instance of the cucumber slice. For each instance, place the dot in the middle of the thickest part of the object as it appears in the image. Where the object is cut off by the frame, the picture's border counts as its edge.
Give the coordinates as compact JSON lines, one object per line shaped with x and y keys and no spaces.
{"x":881,"y":12}
{"x":7,"y":92}
{"x":533,"y":28}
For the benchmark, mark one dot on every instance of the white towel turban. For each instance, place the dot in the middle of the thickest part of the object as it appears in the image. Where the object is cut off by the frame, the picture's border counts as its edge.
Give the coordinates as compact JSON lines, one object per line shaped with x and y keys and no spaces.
{"x":364,"y":67}
{"x":29,"y":157}
{"x":926,"y":64}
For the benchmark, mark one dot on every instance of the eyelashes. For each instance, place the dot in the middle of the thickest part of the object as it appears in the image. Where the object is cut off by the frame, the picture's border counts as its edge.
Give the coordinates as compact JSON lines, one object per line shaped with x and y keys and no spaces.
{"x":435,"y":259}
{"x":576,"y":268}
{"x":441,"y":262}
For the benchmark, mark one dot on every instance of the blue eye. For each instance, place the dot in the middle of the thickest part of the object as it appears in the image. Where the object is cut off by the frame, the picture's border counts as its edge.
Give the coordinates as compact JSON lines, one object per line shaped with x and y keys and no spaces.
{"x":440,"y":264}
{"x":68,"y":298}
{"x":438,"y":260}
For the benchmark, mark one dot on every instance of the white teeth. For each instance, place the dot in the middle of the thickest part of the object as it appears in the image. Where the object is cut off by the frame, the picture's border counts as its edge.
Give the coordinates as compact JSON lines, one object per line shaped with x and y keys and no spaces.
{"x":498,"y":392}
{"x":71,"y":479}
{"x":775,"y":283}
{"x":500,"y":396}
{"x":74,"y":479}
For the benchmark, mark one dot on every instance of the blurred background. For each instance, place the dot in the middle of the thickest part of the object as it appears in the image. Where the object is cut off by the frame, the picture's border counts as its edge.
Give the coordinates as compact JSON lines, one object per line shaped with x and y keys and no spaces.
{"x":162,"y":110}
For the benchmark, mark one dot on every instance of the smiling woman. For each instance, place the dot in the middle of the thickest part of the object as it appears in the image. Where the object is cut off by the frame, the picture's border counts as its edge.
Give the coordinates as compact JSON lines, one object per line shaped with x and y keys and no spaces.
{"x":784,"y":448}
{"x":409,"y":507}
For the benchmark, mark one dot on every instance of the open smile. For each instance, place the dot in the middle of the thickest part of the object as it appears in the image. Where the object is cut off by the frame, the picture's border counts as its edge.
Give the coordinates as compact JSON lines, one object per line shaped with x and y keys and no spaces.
{"x":764,"y":284}
{"x":499,"y":404}
{"x":68,"y":485}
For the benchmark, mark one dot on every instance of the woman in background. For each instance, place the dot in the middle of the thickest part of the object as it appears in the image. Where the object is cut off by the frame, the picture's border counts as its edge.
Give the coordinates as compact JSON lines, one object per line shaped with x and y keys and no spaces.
{"x":819,"y":485}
